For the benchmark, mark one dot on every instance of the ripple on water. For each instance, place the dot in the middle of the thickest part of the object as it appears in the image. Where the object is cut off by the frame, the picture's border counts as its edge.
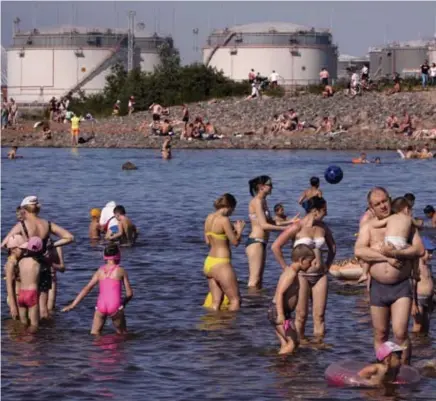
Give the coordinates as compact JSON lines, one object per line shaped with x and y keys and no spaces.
{"x":176,"y":350}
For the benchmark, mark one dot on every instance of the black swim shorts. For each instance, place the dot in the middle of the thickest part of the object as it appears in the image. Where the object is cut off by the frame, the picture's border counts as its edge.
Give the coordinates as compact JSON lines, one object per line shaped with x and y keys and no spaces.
{"x":45,"y":278}
{"x":384,"y":295}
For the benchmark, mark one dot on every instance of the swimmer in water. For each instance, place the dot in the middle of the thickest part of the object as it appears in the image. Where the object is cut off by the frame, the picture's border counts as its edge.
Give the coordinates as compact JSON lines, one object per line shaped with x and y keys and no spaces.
{"x":126,"y":232}
{"x":280,"y":217}
{"x":310,"y":192}
{"x":388,"y":366}
{"x":398,"y":228}
{"x":166,"y":149}
{"x":377,"y":160}
{"x":94,"y":226}
{"x":362,"y":159}
{"x":219,"y":233}
{"x":286,"y":298}
{"x":261,"y":223}
{"x":422,"y":310}
{"x":110,"y":303}
{"x":12,"y":154}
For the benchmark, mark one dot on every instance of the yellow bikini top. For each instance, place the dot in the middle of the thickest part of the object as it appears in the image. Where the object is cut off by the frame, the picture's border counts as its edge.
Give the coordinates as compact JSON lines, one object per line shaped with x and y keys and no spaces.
{"x":217,"y":236}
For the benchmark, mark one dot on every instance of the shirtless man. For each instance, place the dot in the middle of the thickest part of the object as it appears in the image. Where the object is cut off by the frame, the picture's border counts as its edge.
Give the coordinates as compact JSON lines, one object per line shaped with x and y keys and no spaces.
{"x":430,"y":213}
{"x":126,"y":229}
{"x":406,"y":123}
{"x":391,"y":292}
{"x":326,"y":126}
{"x":12,"y":154}
{"x":156,"y":109}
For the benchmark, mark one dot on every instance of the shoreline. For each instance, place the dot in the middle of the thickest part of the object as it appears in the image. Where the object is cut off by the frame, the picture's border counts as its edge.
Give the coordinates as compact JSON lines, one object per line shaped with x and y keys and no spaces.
{"x":297,"y":141}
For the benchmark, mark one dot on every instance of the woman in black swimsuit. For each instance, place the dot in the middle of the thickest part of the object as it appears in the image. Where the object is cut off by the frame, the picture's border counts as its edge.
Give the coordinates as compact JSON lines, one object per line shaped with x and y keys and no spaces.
{"x":31,"y":226}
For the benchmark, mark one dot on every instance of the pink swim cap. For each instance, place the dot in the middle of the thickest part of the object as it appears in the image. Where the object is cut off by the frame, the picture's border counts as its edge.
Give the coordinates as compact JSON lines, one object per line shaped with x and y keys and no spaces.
{"x":387,"y":348}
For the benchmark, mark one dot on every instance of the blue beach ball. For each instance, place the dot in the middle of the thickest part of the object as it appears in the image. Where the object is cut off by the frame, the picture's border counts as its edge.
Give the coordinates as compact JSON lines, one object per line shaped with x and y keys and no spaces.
{"x":333,"y":175}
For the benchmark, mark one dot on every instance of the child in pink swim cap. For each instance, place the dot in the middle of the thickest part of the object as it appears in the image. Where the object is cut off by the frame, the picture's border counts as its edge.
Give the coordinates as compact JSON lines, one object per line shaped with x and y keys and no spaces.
{"x":388,"y":366}
{"x":110,"y":277}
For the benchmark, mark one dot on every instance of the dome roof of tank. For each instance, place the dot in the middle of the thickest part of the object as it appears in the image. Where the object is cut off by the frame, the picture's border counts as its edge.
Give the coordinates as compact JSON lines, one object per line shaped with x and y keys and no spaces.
{"x":268,"y":27}
{"x":67,"y":29}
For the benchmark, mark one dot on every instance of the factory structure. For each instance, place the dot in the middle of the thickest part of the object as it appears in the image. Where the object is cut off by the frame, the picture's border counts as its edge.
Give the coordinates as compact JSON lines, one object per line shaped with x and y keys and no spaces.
{"x":347,"y":63}
{"x":405,"y":58}
{"x":44,"y":63}
{"x":297,"y":53}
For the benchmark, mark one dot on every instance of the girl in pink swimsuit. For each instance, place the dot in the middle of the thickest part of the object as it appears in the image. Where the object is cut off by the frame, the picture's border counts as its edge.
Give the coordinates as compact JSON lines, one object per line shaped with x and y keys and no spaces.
{"x":110,"y":303}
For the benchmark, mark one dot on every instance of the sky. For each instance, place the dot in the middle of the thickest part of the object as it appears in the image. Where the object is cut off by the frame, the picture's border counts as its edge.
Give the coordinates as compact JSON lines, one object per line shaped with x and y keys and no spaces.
{"x":356,"y":26}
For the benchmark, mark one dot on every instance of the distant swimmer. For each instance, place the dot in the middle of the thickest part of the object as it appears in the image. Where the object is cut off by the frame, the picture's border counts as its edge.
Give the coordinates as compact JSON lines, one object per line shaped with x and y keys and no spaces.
{"x":286,"y":298}
{"x":361,"y":160}
{"x":12,"y":154}
{"x":94,"y":226}
{"x":377,"y":160}
{"x":110,"y":302}
{"x":166,"y":149}
{"x":219,"y":233}
{"x":126,"y":233}
{"x":310,"y":192}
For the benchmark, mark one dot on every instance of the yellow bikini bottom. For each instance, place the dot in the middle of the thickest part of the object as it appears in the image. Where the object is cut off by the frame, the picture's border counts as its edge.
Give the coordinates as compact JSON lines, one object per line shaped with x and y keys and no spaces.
{"x":211,"y":262}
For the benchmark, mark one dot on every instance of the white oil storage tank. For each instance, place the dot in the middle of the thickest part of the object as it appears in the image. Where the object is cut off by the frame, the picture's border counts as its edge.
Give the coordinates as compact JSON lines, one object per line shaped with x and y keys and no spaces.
{"x":297,"y":53}
{"x":56,"y":62}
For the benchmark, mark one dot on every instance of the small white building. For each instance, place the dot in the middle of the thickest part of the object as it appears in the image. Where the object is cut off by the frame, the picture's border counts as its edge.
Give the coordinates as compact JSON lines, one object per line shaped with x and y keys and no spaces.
{"x":54,"y":62}
{"x":295,"y":52}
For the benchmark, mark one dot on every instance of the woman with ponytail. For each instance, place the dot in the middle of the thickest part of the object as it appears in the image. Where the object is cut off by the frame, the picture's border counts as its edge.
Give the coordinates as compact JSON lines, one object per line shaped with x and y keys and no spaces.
{"x":219,"y":233}
{"x":313,"y":232}
{"x":261,"y":223}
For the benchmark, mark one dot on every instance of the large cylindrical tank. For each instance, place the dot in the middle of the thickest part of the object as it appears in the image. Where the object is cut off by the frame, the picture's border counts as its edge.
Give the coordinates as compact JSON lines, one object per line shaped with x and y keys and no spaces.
{"x":295,"y":52}
{"x":48,"y":63}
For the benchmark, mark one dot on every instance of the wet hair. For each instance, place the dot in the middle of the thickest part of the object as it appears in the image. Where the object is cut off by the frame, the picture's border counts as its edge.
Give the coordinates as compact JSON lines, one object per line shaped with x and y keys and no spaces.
{"x":277,"y":207}
{"x":429,"y":209}
{"x":315,"y":203}
{"x":375,"y":189}
{"x":302,"y":251}
{"x":112,"y":250}
{"x":226,"y":200}
{"x":34,"y":209}
{"x":255,"y":182}
{"x":120,"y":210}
{"x":314,"y":181}
{"x":18,"y":209}
{"x":400,"y":203}
{"x":410,"y":197}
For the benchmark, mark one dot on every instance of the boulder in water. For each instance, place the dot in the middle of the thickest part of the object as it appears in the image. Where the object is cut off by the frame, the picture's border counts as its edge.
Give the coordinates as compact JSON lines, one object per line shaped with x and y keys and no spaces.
{"x":129,"y":166}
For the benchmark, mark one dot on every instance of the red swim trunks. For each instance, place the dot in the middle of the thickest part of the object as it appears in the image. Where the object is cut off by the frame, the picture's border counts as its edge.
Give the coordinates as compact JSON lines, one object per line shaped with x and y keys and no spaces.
{"x":27,"y":298}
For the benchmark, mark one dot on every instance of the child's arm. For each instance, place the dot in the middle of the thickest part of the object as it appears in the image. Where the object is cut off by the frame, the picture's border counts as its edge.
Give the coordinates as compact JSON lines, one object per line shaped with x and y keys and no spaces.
{"x":285,"y":281}
{"x":302,"y":198}
{"x":368,"y":371}
{"x":375,"y":223}
{"x":58,"y":263}
{"x":82,"y":294}
{"x":128,"y":288}
{"x":365,"y":271}
{"x":10,"y":287}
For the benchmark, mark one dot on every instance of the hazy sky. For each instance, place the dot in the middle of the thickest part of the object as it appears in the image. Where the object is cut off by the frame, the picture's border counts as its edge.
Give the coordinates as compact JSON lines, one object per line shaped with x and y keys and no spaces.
{"x":355,"y":25}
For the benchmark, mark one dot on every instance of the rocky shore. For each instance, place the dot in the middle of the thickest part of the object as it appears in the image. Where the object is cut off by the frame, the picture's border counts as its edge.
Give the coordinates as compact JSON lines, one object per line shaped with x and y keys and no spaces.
{"x":246,"y":124}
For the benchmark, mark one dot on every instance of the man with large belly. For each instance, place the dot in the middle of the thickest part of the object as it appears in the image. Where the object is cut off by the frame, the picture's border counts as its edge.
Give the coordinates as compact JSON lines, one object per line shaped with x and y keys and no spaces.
{"x":391,"y":289}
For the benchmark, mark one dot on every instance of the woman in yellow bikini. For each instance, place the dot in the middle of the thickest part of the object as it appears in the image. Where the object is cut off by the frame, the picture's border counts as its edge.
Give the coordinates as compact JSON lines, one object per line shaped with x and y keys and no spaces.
{"x":219,"y":233}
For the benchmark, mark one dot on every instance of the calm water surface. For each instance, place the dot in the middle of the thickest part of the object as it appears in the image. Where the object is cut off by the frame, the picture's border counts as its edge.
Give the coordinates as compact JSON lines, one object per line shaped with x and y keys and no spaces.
{"x":176,"y":350}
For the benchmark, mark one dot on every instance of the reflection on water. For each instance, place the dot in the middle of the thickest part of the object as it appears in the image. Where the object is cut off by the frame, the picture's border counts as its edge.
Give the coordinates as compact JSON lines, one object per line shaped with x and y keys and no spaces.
{"x":176,"y":350}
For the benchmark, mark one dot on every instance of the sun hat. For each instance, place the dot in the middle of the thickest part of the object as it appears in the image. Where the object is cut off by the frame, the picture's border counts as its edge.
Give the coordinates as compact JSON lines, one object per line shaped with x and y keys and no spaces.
{"x":29,"y":200}
{"x":388,"y":348}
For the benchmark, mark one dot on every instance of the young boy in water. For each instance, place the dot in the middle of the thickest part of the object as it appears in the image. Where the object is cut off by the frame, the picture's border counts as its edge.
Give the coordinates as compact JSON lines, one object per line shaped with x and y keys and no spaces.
{"x":13,"y":152}
{"x":94,"y":227}
{"x":286,"y":298}
{"x":28,"y":294}
{"x":421,"y":312}
{"x":126,"y":232}
{"x":388,"y":367}
{"x":310,"y":192}
{"x":398,"y":229}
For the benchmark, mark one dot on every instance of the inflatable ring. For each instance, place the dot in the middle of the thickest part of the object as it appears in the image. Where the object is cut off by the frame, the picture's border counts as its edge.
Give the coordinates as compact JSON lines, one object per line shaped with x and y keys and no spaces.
{"x":208,"y":302}
{"x":348,"y":269}
{"x":345,"y":374}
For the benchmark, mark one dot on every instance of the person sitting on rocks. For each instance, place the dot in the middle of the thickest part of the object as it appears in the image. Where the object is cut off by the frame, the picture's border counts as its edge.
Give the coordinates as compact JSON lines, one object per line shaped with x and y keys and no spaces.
{"x":326,"y":126}
{"x":155,"y":128}
{"x":392,"y":122}
{"x":277,"y":123}
{"x":46,"y":132}
{"x":397,"y":87}
{"x":210,"y":132}
{"x":199,"y":128}
{"x":188,"y":132}
{"x":255,"y":93}
{"x":328,"y":91}
{"x":293,"y":120}
{"x":406,"y":124}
